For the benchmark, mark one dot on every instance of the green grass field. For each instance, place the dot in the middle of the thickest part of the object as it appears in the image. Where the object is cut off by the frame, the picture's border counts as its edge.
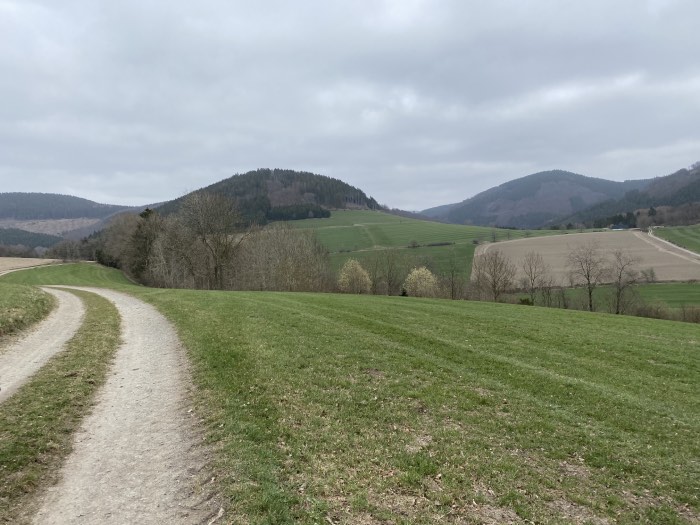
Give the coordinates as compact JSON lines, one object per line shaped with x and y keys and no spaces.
{"x":355,"y":409}
{"x":357,"y":234}
{"x":686,"y":236}
{"x":675,"y":295}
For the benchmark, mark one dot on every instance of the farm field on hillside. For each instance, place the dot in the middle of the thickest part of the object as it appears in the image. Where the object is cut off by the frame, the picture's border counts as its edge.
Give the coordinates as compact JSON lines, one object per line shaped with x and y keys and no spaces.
{"x":13,"y":263}
{"x":356,"y":409}
{"x":686,"y":236}
{"x":359,"y":233}
{"x":669,"y":263}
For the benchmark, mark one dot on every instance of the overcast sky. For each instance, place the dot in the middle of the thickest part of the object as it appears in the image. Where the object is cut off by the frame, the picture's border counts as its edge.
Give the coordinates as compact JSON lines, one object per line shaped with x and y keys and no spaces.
{"x":418,"y":103}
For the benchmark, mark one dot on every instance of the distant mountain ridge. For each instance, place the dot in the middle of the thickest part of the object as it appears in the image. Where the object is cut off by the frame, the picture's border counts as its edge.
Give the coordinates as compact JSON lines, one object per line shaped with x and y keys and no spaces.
{"x":677,"y":189}
{"x":276,"y":194}
{"x":16,"y":237}
{"x":46,"y":206}
{"x":535,"y":200}
{"x":52,"y":214}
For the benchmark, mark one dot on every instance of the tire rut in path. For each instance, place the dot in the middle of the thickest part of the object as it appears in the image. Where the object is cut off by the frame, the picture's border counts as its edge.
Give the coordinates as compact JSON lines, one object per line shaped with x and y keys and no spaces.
{"x":26,"y":356}
{"x":137,"y":458}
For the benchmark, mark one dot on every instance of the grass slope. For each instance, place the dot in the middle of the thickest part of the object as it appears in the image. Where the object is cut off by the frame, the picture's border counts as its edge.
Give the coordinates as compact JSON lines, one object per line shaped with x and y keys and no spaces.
{"x":675,"y":295}
{"x":685,"y":236}
{"x":360,"y":234}
{"x":374,"y":409}
{"x":38,"y":421}
{"x":22,"y":306}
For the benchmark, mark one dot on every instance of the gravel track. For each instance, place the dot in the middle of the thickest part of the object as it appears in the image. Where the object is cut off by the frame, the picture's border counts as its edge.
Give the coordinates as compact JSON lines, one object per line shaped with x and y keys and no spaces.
{"x":138,"y":457}
{"x":24,"y":357}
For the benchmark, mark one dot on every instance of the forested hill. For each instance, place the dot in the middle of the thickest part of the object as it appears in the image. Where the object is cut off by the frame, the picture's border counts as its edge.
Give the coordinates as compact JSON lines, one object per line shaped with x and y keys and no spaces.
{"x":535,"y":200}
{"x":47,"y":206}
{"x":267,"y":195}
{"x":674,"y":190}
{"x":15,"y":237}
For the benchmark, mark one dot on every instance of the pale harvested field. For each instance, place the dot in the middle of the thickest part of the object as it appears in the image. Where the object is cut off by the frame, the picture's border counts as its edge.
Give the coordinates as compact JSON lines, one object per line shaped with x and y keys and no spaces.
{"x":669,"y":262}
{"x":8,"y":264}
{"x":49,"y":226}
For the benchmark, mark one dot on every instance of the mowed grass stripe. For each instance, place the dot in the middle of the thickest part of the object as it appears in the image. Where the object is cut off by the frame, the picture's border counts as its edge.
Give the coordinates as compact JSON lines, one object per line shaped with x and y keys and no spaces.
{"x":686,"y":236}
{"x":540,"y":411}
{"x":517,"y":339}
{"x":37,"y":423}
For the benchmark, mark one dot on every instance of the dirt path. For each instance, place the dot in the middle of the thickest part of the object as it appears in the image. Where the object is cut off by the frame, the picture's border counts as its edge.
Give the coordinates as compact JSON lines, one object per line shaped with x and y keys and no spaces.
{"x":136,"y":458}
{"x":25,"y":356}
{"x":668,"y":247}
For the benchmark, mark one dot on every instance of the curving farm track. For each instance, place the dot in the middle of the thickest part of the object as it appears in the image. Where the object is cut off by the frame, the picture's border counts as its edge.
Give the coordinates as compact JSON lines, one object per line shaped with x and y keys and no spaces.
{"x":138,"y":457}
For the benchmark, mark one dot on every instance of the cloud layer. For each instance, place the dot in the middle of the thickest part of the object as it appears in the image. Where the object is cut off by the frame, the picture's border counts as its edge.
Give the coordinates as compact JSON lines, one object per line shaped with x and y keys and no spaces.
{"x":417,"y":102}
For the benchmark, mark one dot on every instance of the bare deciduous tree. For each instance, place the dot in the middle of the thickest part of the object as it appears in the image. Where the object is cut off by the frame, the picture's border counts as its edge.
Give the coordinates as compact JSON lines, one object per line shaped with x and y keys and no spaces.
{"x":454,"y":276}
{"x":535,"y":272}
{"x":394,"y":271}
{"x":587,"y":267}
{"x":282,"y":258}
{"x":375,"y":270}
{"x":624,"y":276}
{"x":216,"y":224}
{"x":493,"y":273}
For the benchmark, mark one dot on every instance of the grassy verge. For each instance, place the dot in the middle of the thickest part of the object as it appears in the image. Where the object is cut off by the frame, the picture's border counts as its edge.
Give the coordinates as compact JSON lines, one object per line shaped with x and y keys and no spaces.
{"x":685,"y":236}
{"x":675,"y":295}
{"x":22,"y":306}
{"x":349,"y":409}
{"x":37,"y":423}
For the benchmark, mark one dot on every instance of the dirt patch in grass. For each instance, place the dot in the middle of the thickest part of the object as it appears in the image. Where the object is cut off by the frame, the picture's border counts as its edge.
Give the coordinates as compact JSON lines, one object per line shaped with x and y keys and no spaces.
{"x":576,"y":513}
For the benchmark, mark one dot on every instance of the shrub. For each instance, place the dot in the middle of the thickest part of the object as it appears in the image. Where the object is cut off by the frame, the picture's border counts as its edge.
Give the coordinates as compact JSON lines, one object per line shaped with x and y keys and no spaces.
{"x":354,"y":278}
{"x":421,"y":283}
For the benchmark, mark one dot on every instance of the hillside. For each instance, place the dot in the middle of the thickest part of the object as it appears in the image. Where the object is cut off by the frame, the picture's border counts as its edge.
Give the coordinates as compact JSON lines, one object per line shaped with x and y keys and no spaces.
{"x":47,"y":206}
{"x":52,"y":214}
{"x":678,"y":190}
{"x":534,"y":201}
{"x":271,"y":195}
{"x":365,"y":235}
{"x":14,"y":237}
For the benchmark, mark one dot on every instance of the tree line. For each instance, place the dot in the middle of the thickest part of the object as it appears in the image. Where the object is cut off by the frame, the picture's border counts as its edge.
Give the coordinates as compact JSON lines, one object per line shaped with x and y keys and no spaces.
{"x":207,"y":244}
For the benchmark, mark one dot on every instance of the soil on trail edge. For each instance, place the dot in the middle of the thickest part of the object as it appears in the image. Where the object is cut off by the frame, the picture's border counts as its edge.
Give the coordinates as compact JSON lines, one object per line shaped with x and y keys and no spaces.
{"x":24,"y":357}
{"x":137,"y":457}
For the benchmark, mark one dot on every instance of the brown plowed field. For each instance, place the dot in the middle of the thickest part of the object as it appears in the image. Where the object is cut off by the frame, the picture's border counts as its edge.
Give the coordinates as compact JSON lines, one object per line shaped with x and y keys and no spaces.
{"x":669,"y":262}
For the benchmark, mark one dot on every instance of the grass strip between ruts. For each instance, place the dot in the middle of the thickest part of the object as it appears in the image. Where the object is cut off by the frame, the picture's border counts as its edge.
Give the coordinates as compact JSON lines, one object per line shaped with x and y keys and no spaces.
{"x":22,"y":306}
{"x":38,"y":422}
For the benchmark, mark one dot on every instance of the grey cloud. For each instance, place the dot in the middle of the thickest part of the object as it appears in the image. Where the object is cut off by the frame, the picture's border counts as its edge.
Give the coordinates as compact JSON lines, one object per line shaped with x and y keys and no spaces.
{"x":417,"y":102}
